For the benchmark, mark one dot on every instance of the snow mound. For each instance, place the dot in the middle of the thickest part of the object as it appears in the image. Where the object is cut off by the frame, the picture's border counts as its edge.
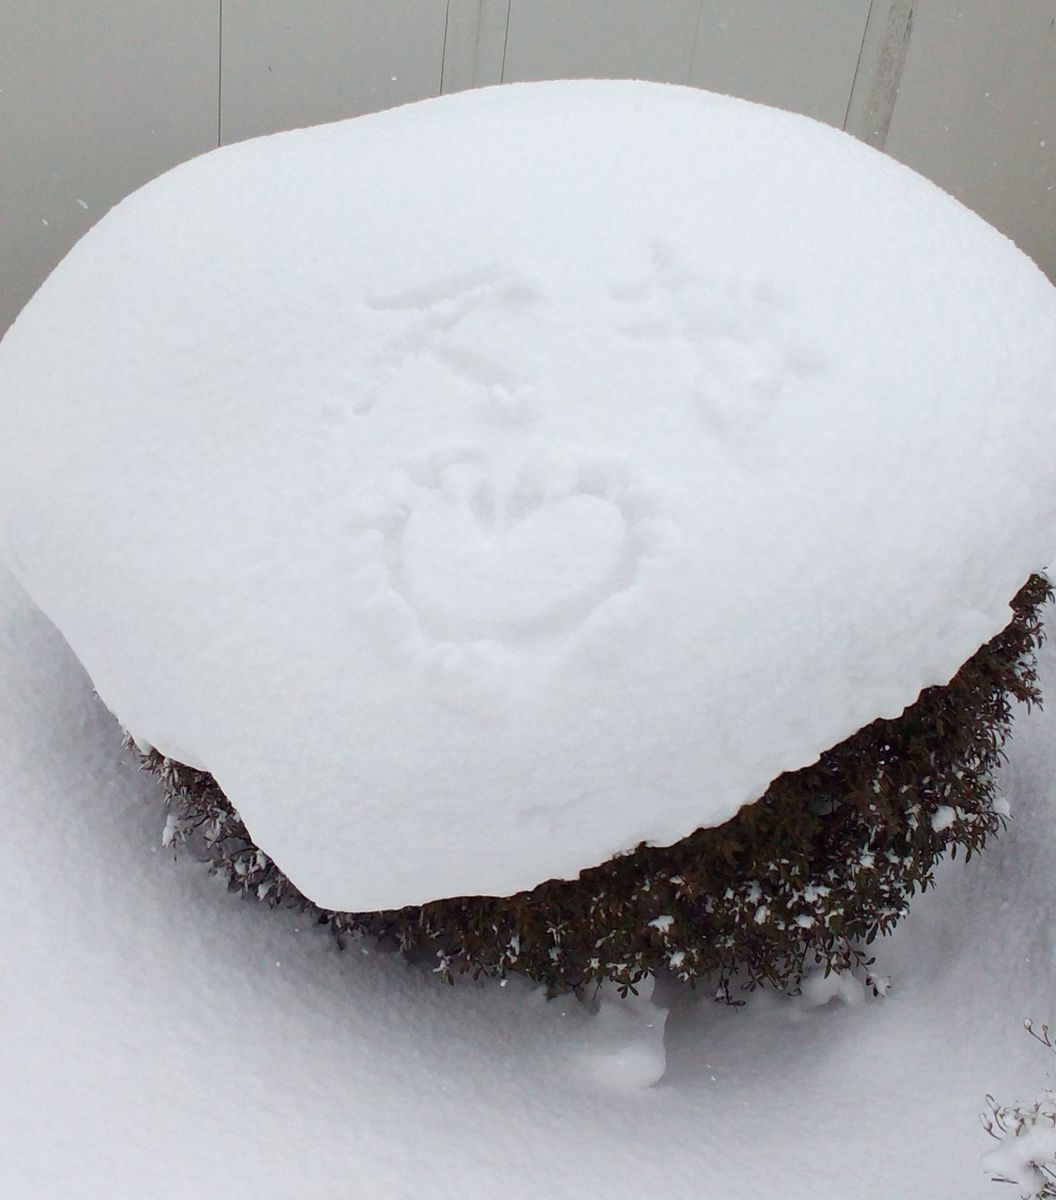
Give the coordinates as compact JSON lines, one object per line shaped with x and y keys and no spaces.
{"x":625,"y":1044}
{"x":482,"y":487}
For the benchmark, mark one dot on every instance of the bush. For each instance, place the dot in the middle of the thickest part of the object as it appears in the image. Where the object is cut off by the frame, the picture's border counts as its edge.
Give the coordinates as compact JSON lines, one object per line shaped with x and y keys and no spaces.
{"x":1026,"y":1135}
{"x":819,"y":866}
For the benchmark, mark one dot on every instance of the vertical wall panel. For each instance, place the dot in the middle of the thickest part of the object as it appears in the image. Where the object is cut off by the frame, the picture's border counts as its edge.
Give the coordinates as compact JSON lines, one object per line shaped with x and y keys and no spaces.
{"x":475,"y":43}
{"x":795,"y":54}
{"x":95,"y":99}
{"x":976,"y":112}
{"x":879,"y":73}
{"x":288,"y":63}
{"x":619,"y":39}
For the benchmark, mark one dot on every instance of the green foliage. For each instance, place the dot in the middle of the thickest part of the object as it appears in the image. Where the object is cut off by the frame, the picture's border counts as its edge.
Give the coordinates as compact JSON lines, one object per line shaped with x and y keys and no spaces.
{"x":819,"y":866}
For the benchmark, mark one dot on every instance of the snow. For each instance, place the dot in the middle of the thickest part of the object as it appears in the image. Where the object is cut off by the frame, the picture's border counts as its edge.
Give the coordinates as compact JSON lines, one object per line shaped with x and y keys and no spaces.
{"x":1027,"y":1158}
{"x":817,"y":988}
{"x":159,"y":1037}
{"x":482,"y":487}
{"x":943,"y":818}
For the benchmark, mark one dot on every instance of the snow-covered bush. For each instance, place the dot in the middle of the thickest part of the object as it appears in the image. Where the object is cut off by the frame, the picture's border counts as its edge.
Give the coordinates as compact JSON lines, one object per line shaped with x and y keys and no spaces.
{"x":505,"y":500}
{"x":1026,"y":1153}
{"x":817,"y":868}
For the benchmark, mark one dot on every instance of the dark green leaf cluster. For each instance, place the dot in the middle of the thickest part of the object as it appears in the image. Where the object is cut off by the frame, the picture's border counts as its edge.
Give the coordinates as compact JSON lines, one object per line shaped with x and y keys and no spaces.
{"x":813,"y":871}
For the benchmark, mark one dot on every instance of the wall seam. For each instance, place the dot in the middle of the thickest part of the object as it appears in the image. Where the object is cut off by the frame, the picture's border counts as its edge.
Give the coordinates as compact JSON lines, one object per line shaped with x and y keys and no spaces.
{"x":858,"y":65}
{"x":505,"y":42}
{"x":220,"y":75}
{"x":443,"y":48}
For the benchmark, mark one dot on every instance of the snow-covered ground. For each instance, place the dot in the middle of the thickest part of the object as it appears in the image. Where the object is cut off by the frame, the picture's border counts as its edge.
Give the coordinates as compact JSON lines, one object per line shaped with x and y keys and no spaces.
{"x":160,"y":1038}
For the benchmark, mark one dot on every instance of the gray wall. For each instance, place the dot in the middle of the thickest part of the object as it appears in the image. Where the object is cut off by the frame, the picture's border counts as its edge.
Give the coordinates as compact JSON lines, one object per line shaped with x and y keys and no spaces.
{"x":97,"y":96}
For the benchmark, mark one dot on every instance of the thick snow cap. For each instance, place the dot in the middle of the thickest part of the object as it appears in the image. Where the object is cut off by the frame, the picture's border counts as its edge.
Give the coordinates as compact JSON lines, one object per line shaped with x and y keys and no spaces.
{"x":480,"y":488}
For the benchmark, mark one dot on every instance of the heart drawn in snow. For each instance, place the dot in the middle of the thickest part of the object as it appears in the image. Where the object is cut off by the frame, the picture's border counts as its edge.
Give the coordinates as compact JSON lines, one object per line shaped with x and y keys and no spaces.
{"x":478,"y":559}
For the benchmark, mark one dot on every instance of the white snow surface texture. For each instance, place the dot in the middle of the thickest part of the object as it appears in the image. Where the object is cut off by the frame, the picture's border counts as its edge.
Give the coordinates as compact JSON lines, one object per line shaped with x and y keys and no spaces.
{"x":480,"y":488}
{"x":161,"y":1039}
